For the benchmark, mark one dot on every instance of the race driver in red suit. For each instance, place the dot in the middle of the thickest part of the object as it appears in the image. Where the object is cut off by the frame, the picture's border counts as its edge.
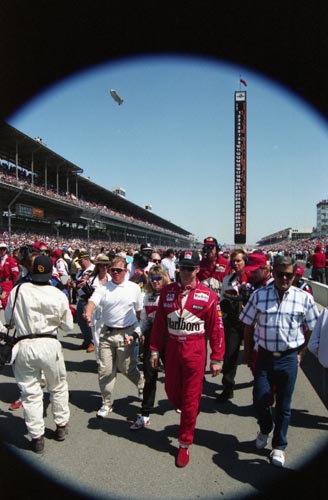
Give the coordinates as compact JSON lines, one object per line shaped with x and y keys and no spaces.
{"x":187,"y":313}
{"x":213,"y":266}
{"x":9,"y":273}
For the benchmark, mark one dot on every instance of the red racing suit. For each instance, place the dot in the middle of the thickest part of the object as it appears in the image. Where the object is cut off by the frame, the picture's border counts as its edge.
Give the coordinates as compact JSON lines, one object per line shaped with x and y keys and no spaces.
{"x":184,"y":318}
{"x":9,"y":273}
{"x":212,"y":273}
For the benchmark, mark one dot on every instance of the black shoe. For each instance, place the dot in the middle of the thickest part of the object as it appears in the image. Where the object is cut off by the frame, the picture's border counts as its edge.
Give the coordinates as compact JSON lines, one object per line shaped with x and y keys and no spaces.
{"x":84,"y":345}
{"x":37,"y":444}
{"x":225,"y":395}
{"x":60,"y":433}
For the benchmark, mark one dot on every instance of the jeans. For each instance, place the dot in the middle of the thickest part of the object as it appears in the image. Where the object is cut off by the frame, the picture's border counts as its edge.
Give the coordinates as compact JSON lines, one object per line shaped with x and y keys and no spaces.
{"x":85,"y":329}
{"x":280,"y":372}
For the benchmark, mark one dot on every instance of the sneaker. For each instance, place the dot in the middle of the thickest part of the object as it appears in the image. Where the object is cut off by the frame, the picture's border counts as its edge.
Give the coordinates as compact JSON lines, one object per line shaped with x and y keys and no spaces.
{"x":37,"y":444}
{"x":182,"y":457}
{"x":261,"y":440}
{"x":16,"y":405}
{"x":277,"y":457}
{"x":139,"y":423}
{"x":178,"y":410}
{"x":104,"y":410}
{"x":61,"y":432}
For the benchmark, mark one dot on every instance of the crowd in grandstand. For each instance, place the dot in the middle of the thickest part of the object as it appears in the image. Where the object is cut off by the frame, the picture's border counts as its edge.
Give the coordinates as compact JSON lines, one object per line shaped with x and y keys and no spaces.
{"x":23,"y":179}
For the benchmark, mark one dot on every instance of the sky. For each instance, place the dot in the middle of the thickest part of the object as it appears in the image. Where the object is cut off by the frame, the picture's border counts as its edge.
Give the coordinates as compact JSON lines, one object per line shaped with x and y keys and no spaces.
{"x":171,"y":143}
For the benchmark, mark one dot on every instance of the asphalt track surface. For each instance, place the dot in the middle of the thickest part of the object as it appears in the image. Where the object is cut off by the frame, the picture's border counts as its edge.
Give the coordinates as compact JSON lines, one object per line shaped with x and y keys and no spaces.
{"x":103,"y":458}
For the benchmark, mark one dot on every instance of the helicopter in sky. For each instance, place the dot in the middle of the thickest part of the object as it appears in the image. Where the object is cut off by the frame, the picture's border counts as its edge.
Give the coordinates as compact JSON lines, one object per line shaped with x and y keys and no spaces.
{"x":116,"y":96}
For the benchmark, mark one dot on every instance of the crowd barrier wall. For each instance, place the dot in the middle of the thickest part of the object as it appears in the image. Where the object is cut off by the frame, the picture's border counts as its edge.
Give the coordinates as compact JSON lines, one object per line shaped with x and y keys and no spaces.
{"x":320,"y":295}
{"x":320,"y":292}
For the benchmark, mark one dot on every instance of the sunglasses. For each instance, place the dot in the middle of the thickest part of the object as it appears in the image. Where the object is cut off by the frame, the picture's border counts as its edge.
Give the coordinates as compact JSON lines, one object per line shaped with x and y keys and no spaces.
{"x":187,"y":268}
{"x":208,"y":248}
{"x":281,"y":274}
{"x":116,"y":270}
{"x":156,"y":260}
{"x":155,"y":278}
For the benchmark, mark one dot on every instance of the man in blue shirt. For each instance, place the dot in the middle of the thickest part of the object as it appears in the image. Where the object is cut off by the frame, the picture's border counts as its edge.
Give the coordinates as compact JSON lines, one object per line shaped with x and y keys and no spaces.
{"x":284,"y":317}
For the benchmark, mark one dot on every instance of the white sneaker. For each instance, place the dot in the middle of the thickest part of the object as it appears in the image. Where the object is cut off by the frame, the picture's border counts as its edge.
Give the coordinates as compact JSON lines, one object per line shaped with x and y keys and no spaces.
{"x":261,"y":440}
{"x":139,"y":423}
{"x":104,"y":410}
{"x":277,"y":457}
{"x":140,"y":394}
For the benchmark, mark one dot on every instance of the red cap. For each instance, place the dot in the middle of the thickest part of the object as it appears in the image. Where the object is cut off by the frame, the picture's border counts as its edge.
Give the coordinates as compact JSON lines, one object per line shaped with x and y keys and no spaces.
{"x":299,"y":270}
{"x":57,"y":252}
{"x":254,"y":261}
{"x":39,"y":244}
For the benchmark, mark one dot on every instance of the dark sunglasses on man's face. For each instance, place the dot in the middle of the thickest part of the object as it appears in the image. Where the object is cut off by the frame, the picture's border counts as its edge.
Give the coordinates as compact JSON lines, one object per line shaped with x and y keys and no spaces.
{"x":116,"y":270}
{"x":208,"y":248}
{"x":157,"y":260}
{"x":187,"y":268}
{"x":281,"y":274}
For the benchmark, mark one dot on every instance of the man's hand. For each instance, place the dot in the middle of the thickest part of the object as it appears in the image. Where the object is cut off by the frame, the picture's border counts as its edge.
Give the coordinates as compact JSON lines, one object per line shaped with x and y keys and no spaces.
{"x":87,"y":318}
{"x":154,"y":360}
{"x":128,"y":339}
{"x":216,"y":368}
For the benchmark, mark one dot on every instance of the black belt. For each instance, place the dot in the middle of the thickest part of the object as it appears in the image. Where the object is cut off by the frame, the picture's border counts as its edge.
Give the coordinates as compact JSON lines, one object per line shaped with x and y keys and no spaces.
{"x":37,"y":336}
{"x":112,"y":328}
{"x":277,"y":354}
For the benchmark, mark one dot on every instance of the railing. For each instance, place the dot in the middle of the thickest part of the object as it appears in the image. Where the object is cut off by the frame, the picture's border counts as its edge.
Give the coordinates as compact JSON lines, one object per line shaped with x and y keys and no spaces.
{"x":320,"y":295}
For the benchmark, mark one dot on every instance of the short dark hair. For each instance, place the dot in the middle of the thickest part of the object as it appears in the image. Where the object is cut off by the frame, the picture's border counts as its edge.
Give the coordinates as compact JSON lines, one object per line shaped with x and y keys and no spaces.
{"x":284,"y":261}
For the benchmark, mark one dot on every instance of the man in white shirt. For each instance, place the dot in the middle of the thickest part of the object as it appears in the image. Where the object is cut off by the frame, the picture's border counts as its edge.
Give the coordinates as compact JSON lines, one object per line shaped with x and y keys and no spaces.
{"x":168,"y":263}
{"x":121,"y":303}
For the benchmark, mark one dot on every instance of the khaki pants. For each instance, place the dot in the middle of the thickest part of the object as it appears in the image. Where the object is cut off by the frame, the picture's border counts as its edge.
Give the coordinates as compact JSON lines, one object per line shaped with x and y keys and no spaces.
{"x":114,"y":355}
{"x":32,"y":357}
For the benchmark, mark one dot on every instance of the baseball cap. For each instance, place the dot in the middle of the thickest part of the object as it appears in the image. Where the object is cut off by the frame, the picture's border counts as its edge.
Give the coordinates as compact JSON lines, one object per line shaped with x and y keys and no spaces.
{"x":255,"y":261}
{"x":146,"y":247}
{"x":189,"y":258}
{"x":299,"y":270}
{"x":57,"y":252}
{"x":318,"y":246}
{"x":3,"y":244}
{"x":42,"y":269}
{"x":210,"y":241}
{"x":37,"y":245}
{"x":84,"y":255}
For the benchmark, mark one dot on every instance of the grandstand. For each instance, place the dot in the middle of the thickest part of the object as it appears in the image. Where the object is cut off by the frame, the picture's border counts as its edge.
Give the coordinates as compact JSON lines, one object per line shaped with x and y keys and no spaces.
{"x":285,"y":235}
{"x":44,"y":192}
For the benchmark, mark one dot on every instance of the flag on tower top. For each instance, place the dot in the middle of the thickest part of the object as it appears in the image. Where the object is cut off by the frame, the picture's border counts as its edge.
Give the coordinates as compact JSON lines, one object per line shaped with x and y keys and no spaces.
{"x":243,"y":82}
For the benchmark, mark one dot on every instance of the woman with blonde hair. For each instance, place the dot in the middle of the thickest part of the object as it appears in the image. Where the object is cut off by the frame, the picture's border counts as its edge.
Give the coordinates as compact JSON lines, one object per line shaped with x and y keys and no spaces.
{"x":156,"y":280}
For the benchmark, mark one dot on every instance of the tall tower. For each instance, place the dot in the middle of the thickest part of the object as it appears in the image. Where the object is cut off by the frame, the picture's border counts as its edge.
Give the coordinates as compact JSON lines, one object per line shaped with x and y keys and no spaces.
{"x":240,"y":167}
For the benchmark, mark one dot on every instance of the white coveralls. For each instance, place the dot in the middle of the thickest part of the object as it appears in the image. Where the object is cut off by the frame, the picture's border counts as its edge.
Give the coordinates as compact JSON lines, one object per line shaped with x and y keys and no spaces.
{"x":40,"y":310}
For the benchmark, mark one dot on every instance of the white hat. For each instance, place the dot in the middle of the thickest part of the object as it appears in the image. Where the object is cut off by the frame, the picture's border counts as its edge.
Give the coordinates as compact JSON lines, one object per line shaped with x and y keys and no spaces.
{"x":3,"y":244}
